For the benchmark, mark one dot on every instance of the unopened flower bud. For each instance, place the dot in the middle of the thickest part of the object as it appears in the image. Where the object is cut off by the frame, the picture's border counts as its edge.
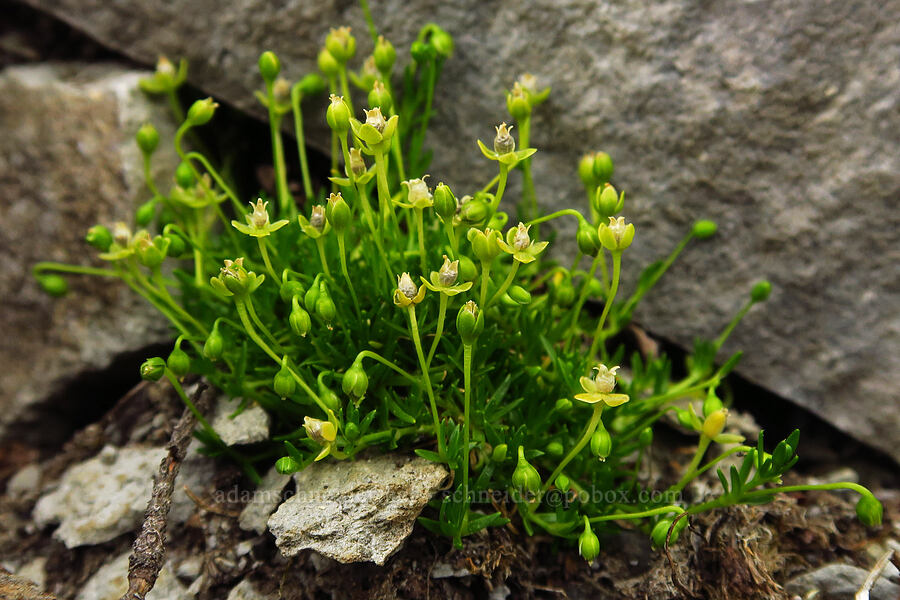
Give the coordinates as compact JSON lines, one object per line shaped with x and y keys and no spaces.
{"x":201,"y":112}
{"x":445,"y":204}
{"x":351,"y":431}
{"x":519,"y":294}
{"x":214,"y":346}
{"x":660,"y":531}
{"x":645,"y":438}
{"x":422,"y":52}
{"x":711,"y":404}
{"x":338,"y":114}
{"x":587,"y":238}
{"x":525,"y":477}
{"x":184,"y":176}
{"x":554,"y":449}
{"x":467,"y":269}
{"x":153,"y":369}
{"x":327,"y":63}
{"x":869,"y":510}
{"x":283,"y":383}
{"x":586,"y":170}
{"x":562,"y":405}
{"x":380,"y":97}
{"x":517,"y":103}
{"x":341,"y":44}
{"x":328,"y":397}
{"x":177,"y":245}
{"x":499,"y":453}
{"x":761,"y":291}
{"x":355,"y":382}
{"x":715,"y":423}
{"x":503,"y":141}
{"x":473,"y":210}
{"x":385,"y":55}
{"x":469,"y":322}
{"x":281,"y":93}
{"x":287,"y":465}
{"x":269,"y":66}
{"x":147,"y":138}
{"x":99,"y":237}
{"x":289,"y":290}
{"x":310,"y":84}
{"x":704,"y":229}
{"x":441,"y":41}
{"x":338,"y":212}
{"x":588,"y":544}
{"x":607,"y":200}
{"x":144,"y":213}
{"x":603,"y":168}
{"x":179,"y":362}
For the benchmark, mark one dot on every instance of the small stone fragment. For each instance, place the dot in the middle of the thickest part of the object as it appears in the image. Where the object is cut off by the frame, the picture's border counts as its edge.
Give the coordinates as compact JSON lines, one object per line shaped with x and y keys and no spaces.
{"x":250,"y":426}
{"x":838,"y":581}
{"x":111,"y":581}
{"x":246,"y":591}
{"x":355,"y":511}
{"x":263,"y":501}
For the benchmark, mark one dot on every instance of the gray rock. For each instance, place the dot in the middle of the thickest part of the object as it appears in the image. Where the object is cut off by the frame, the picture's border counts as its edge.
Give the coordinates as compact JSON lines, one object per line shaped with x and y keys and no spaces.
{"x":25,"y":482}
{"x":263,"y":501}
{"x":246,"y":591}
{"x":355,"y":511}
{"x":67,"y":161}
{"x":838,"y":581}
{"x":106,"y":496}
{"x":110,"y":582}
{"x":251,"y":425}
{"x":778,"y":119}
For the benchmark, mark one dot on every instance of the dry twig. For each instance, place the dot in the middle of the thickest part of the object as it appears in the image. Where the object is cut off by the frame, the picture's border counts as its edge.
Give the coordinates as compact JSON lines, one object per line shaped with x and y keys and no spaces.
{"x":149,"y":550}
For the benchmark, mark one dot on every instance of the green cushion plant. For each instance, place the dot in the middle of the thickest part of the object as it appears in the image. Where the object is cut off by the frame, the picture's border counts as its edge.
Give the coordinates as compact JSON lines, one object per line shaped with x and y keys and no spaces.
{"x":332,"y":314}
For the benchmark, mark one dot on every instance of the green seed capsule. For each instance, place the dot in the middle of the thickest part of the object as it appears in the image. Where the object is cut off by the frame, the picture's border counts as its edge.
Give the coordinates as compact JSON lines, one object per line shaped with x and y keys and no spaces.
{"x":351,"y":431}
{"x":214,"y":346}
{"x":184,"y":176}
{"x":201,"y":112}
{"x":299,"y":320}
{"x":601,"y":443}
{"x":289,"y":290}
{"x":869,"y":510}
{"x":284,"y":383}
{"x":145,"y":213}
{"x":384,"y":54}
{"x":269,"y":66}
{"x":147,"y":138}
{"x":646,"y":437}
{"x":53,"y":285}
{"x":467,"y":269}
{"x":177,"y":245}
{"x":602,"y":167}
{"x":588,"y":544}
{"x":355,"y":382}
{"x":499,"y":453}
{"x":525,"y":477}
{"x":554,"y":449}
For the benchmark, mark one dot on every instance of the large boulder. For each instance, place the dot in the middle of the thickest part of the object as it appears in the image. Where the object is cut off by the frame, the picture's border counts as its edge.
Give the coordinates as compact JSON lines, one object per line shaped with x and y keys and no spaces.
{"x":779,"y":119}
{"x":67,"y":161}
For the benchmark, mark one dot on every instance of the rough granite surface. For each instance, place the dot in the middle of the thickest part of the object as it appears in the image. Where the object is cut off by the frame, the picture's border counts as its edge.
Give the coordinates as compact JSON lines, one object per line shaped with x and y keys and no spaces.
{"x":67,"y":161}
{"x":780,"y":119}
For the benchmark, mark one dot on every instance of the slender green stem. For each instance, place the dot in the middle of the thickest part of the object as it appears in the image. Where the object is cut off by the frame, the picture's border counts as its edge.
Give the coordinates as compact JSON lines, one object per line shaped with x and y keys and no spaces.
{"x":265,"y":330}
{"x":491,"y":183}
{"x":725,"y":454}
{"x":296,"y":97}
{"x":285,"y":202}
{"x":585,"y":437}
{"x":364,"y":4}
{"x":345,"y":88}
{"x":320,"y":244}
{"x":398,"y":157}
{"x":376,"y":232}
{"x":148,"y":177}
{"x":343,"y":254}
{"x":613,"y":288}
{"x":734,"y":322}
{"x":582,"y":297}
{"x":157,"y":278}
{"x":439,"y":330}
{"x":384,"y":192}
{"x":420,"y":230}
{"x":389,"y":364}
{"x":191,"y":406}
{"x":691,"y":471}
{"x":414,"y":326}
{"x":265,"y":256}
{"x":555,"y":215}
{"x":501,"y":187}
{"x":637,"y":515}
{"x":763,"y":493}
{"x":64,"y":268}
{"x":451,"y":236}
{"x":506,"y":283}
{"x":529,"y":198}
{"x":467,"y":398}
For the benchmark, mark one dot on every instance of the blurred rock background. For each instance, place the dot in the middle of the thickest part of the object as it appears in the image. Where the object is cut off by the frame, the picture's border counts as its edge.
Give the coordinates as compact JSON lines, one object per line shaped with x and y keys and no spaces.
{"x":779,"y":119}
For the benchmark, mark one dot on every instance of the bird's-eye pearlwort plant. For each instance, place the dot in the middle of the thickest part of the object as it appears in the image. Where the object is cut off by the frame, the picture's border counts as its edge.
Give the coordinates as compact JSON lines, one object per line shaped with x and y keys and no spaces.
{"x":379,"y":312}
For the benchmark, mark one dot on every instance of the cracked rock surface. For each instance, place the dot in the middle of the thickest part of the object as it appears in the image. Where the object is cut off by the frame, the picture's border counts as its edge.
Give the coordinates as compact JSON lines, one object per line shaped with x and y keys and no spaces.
{"x":355,"y":511}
